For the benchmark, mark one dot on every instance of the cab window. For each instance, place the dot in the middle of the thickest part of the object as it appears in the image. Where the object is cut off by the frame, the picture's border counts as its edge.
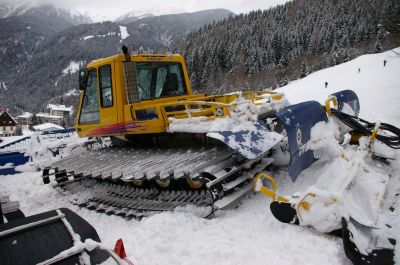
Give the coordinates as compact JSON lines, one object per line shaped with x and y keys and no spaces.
{"x":160,"y":79}
{"x":106,"y":97}
{"x":90,"y":105}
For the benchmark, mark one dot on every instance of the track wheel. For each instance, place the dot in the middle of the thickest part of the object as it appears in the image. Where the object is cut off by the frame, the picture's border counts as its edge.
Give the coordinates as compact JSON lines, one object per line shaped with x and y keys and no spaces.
{"x":194,"y":184}
{"x":137,"y":183}
{"x":163,"y":183}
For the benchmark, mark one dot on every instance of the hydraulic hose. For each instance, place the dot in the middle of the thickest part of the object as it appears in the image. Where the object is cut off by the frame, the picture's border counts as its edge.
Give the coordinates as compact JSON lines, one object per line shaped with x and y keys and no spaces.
{"x":366,"y":128}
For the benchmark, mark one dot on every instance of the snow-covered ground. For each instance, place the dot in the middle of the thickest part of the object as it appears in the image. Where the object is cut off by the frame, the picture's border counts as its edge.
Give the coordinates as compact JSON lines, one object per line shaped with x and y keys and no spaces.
{"x":377,"y":87}
{"x":248,"y":234}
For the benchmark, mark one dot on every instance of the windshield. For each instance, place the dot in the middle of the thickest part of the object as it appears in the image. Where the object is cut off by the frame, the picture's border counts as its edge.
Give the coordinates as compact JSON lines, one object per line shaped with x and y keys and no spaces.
{"x":160,"y":79}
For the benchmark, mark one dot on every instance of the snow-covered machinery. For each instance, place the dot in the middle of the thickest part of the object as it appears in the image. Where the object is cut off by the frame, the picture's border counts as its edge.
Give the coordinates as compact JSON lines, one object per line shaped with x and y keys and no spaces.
{"x":54,"y":237}
{"x":356,"y":194}
{"x":170,"y":147}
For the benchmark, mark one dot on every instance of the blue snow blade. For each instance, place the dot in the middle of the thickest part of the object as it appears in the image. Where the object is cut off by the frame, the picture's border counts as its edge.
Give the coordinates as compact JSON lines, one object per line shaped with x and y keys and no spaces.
{"x":251,"y":143}
{"x":350,"y":98}
{"x":298,"y":120}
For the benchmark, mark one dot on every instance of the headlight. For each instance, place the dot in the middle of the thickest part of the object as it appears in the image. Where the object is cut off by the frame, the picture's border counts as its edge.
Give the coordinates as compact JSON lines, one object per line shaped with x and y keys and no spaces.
{"x":219,"y":112}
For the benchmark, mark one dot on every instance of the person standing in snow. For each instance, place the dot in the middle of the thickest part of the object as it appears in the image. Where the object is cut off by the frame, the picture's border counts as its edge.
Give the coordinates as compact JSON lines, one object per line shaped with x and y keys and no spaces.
{"x":359,"y":70}
{"x":326,"y":84}
{"x":384,"y":63}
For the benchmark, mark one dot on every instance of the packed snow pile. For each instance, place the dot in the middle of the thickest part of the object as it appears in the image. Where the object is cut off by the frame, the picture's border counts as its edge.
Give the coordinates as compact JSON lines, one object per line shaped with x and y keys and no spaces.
{"x":350,"y":184}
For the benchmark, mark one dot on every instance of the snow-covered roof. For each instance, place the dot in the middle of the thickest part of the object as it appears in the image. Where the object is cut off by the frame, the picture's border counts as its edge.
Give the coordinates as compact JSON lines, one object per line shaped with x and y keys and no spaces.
{"x":46,"y":115}
{"x":4,"y":110}
{"x":59,"y":107}
{"x":47,"y":127}
{"x":25,"y":115}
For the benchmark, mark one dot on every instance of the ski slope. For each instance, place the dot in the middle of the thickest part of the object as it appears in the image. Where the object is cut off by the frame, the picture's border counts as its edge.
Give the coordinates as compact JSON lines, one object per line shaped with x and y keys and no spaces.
{"x":248,"y":234}
{"x":377,"y":87}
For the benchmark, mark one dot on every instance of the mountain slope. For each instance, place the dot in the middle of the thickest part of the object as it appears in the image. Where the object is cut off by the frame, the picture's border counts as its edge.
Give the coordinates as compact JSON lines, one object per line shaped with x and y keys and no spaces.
{"x":48,"y":12}
{"x":376,"y":86}
{"x":266,"y":48}
{"x":34,"y":70}
{"x":157,"y":32}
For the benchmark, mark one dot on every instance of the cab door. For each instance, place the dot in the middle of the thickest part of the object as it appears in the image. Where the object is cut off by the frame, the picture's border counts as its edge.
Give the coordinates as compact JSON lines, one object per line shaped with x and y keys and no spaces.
{"x":89,"y":113}
{"x":98,"y":115}
{"x":108,"y":101}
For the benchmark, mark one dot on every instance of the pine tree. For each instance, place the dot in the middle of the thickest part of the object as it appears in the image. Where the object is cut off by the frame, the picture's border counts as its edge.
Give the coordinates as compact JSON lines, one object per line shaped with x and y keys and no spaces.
{"x":378,"y":47}
{"x":304,"y":70}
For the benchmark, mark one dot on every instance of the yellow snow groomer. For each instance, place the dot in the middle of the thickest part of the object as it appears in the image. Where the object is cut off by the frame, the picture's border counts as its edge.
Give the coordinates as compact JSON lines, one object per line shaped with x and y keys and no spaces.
{"x":170,"y":147}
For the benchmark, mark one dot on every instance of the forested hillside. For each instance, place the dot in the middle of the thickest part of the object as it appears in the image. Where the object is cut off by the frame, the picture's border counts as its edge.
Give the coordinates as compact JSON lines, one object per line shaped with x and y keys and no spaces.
{"x":268,"y":48}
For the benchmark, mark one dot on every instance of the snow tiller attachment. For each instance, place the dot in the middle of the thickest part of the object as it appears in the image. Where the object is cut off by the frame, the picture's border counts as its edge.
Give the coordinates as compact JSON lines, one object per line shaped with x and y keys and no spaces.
{"x":357,"y":191}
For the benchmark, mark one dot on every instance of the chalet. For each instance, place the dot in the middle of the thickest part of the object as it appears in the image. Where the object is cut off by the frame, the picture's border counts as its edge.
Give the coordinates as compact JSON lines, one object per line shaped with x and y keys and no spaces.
{"x":8,"y":126}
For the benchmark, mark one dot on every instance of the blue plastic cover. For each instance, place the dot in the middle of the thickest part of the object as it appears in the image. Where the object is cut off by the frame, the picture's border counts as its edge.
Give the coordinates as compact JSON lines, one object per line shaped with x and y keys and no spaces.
{"x":15,"y":158}
{"x":298,"y":120}
{"x":251,"y":143}
{"x":350,"y":98}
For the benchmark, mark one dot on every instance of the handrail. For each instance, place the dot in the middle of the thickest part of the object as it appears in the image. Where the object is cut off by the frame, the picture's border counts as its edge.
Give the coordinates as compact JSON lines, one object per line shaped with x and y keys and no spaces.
{"x":268,"y":192}
{"x":50,"y":133}
{"x":328,"y":101}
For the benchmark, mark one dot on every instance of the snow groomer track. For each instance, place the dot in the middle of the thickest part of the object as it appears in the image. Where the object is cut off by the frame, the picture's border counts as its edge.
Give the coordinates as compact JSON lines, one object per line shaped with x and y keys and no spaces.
{"x":135,"y":183}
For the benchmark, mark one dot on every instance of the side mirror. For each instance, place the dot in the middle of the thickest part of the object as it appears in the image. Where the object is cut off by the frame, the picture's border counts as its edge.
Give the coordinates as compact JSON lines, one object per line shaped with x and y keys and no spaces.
{"x":82,"y":79}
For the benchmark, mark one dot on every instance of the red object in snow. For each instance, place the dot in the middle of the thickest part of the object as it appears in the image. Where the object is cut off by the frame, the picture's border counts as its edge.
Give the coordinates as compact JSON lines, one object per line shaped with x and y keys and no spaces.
{"x":120,"y":249}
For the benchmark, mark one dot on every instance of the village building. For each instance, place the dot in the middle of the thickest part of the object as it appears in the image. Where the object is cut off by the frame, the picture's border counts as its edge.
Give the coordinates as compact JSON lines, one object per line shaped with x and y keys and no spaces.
{"x":59,"y":110}
{"x":48,"y":118}
{"x":8,"y":125}
{"x":24,"y":119}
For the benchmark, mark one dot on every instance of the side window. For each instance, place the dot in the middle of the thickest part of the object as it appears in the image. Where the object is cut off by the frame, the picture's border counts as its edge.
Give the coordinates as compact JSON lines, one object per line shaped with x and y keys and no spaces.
{"x":90,"y":104}
{"x":161,"y":73}
{"x":106,"y":97}
{"x":177,"y":69}
{"x":144,"y":77}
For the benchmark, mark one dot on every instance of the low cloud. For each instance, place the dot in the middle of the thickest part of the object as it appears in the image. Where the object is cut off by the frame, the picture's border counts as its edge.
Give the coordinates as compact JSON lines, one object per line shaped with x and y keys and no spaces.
{"x":110,"y":10}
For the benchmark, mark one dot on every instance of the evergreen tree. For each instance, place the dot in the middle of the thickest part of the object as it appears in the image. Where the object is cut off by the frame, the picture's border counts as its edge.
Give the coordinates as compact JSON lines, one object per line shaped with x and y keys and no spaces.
{"x":304,"y":70}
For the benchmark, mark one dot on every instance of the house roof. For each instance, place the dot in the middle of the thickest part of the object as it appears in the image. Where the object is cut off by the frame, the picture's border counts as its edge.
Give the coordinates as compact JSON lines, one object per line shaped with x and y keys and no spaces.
{"x":46,"y":115}
{"x":59,"y":107}
{"x":25,"y":115}
{"x":5,"y":111}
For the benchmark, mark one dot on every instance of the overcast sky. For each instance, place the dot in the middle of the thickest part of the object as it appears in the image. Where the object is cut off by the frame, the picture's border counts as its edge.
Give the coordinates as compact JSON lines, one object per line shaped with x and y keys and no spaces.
{"x":112,"y":9}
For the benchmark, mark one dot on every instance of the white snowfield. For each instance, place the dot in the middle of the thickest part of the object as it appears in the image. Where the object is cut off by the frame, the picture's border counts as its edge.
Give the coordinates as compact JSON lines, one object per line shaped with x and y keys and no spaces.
{"x":250,"y":234}
{"x":123,"y":32}
{"x":72,"y":68}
